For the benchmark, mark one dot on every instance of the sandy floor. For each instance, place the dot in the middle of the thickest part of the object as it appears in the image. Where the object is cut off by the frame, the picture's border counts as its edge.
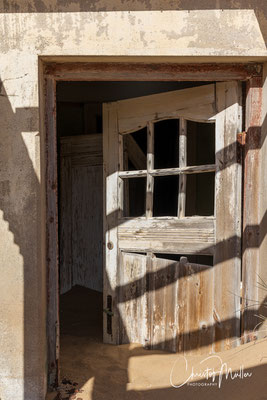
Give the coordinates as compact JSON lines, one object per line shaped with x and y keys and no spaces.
{"x":92,"y":370}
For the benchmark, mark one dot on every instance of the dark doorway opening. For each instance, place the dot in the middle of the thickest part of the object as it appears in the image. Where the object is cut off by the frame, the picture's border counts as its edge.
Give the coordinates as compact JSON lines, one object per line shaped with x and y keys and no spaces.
{"x":80,"y":161}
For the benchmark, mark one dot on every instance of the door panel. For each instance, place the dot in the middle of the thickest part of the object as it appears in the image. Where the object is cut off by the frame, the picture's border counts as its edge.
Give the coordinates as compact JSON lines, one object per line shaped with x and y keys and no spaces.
{"x":180,"y":236}
{"x":132,"y":298}
{"x":166,"y":304}
{"x":227,"y":265}
{"x":87,"y":233}
{"x":81,"y":212}
{"x":182,"y":298}
{"x":196,"y":324}
{"x":163,"y":308}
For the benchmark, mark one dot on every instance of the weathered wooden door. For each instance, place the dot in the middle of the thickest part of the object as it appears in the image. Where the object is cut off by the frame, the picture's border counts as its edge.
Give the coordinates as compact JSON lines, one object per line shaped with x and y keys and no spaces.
{"x":172,"y":190}
{"x":81,"y":212}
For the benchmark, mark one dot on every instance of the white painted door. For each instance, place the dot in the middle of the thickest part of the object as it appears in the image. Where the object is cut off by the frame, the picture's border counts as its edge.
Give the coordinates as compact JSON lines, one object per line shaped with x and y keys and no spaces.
{"x":172,"y":219}
{"x":81,"y":212}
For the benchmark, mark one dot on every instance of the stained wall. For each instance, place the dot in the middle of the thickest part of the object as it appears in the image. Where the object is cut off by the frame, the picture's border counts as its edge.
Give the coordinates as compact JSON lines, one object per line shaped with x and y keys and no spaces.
{"x":178,"y":31}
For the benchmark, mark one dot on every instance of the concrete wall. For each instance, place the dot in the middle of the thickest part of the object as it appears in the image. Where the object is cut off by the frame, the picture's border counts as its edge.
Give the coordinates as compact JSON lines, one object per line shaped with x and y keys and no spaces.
{"x":178,"y":30}
{"x":263,"y":189}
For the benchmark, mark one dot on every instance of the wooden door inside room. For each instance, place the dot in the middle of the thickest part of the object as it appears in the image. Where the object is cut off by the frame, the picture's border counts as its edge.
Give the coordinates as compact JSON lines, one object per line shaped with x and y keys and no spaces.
{"x":81,"y":212}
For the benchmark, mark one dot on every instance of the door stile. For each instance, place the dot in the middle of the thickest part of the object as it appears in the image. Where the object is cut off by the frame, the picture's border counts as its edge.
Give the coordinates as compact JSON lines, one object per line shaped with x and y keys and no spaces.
{"x":227,"y":259}
{"x":112,"y":209}
{"x":52,"y":235}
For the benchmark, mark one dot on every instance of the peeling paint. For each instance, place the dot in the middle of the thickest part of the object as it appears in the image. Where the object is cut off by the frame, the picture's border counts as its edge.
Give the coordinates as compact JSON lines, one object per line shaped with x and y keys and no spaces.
{"x":142,"y":38}
{"x":33,"y":28}
{"x":212,"y":32}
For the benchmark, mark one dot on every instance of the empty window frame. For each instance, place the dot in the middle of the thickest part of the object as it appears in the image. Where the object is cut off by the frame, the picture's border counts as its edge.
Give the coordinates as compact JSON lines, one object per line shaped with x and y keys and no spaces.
{"x":176,"y":161}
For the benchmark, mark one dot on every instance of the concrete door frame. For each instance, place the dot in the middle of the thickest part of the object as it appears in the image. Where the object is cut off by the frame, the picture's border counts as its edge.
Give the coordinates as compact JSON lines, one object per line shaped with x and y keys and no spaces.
{"x":51,"y":72}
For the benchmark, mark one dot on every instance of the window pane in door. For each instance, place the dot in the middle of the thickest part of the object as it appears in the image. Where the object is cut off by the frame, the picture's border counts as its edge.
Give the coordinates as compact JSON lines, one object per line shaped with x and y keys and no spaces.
{"x":165,"y":200}
{"x":166,"y":144}
{"x":135,"y":150}
{"x":200,"y":143}
{"x":200,"y":194}
{"x":134,"y":193}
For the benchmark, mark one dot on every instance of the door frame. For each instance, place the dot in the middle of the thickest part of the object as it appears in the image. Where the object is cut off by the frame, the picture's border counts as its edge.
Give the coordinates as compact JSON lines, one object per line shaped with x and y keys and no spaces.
{"x":52,"y":72}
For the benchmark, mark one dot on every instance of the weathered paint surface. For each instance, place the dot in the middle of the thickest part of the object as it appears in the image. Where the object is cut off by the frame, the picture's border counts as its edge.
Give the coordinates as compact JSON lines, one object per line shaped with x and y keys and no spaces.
{"x":198,"y":33}
{"x":30,"y":29}
{"x":155,"y":71}
{"x":252,"y":271}
{"x":262,"y":215}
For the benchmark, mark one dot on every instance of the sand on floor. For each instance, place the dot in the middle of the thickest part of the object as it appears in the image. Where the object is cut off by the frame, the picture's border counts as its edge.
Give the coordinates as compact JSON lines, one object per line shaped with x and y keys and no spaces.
{"x":91,"y":370}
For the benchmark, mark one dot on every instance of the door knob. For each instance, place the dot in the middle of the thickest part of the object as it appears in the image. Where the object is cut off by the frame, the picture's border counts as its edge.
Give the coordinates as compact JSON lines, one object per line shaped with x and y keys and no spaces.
{"x":110,"y":245}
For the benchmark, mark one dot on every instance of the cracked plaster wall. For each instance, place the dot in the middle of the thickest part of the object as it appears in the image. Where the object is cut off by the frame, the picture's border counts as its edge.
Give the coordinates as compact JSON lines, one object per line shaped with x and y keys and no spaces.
{"x":29,"y":29}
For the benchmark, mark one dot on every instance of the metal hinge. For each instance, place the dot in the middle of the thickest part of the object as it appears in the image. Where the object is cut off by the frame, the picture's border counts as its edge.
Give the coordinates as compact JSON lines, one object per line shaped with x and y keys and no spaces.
{"x":241,"y":141}
{"x":241,"y":138}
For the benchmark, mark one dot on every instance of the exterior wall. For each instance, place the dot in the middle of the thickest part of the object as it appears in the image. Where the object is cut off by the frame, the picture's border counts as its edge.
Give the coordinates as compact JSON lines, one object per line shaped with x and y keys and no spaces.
{"x":263,"y":198}
{"x":29,"y":29}
{"x":263,"y":193}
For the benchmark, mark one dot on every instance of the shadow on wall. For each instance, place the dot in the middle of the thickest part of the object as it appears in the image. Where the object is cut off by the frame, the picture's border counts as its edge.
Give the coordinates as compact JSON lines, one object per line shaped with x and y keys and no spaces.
{"x":19,"y":202}
{"x":39,"y":6}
